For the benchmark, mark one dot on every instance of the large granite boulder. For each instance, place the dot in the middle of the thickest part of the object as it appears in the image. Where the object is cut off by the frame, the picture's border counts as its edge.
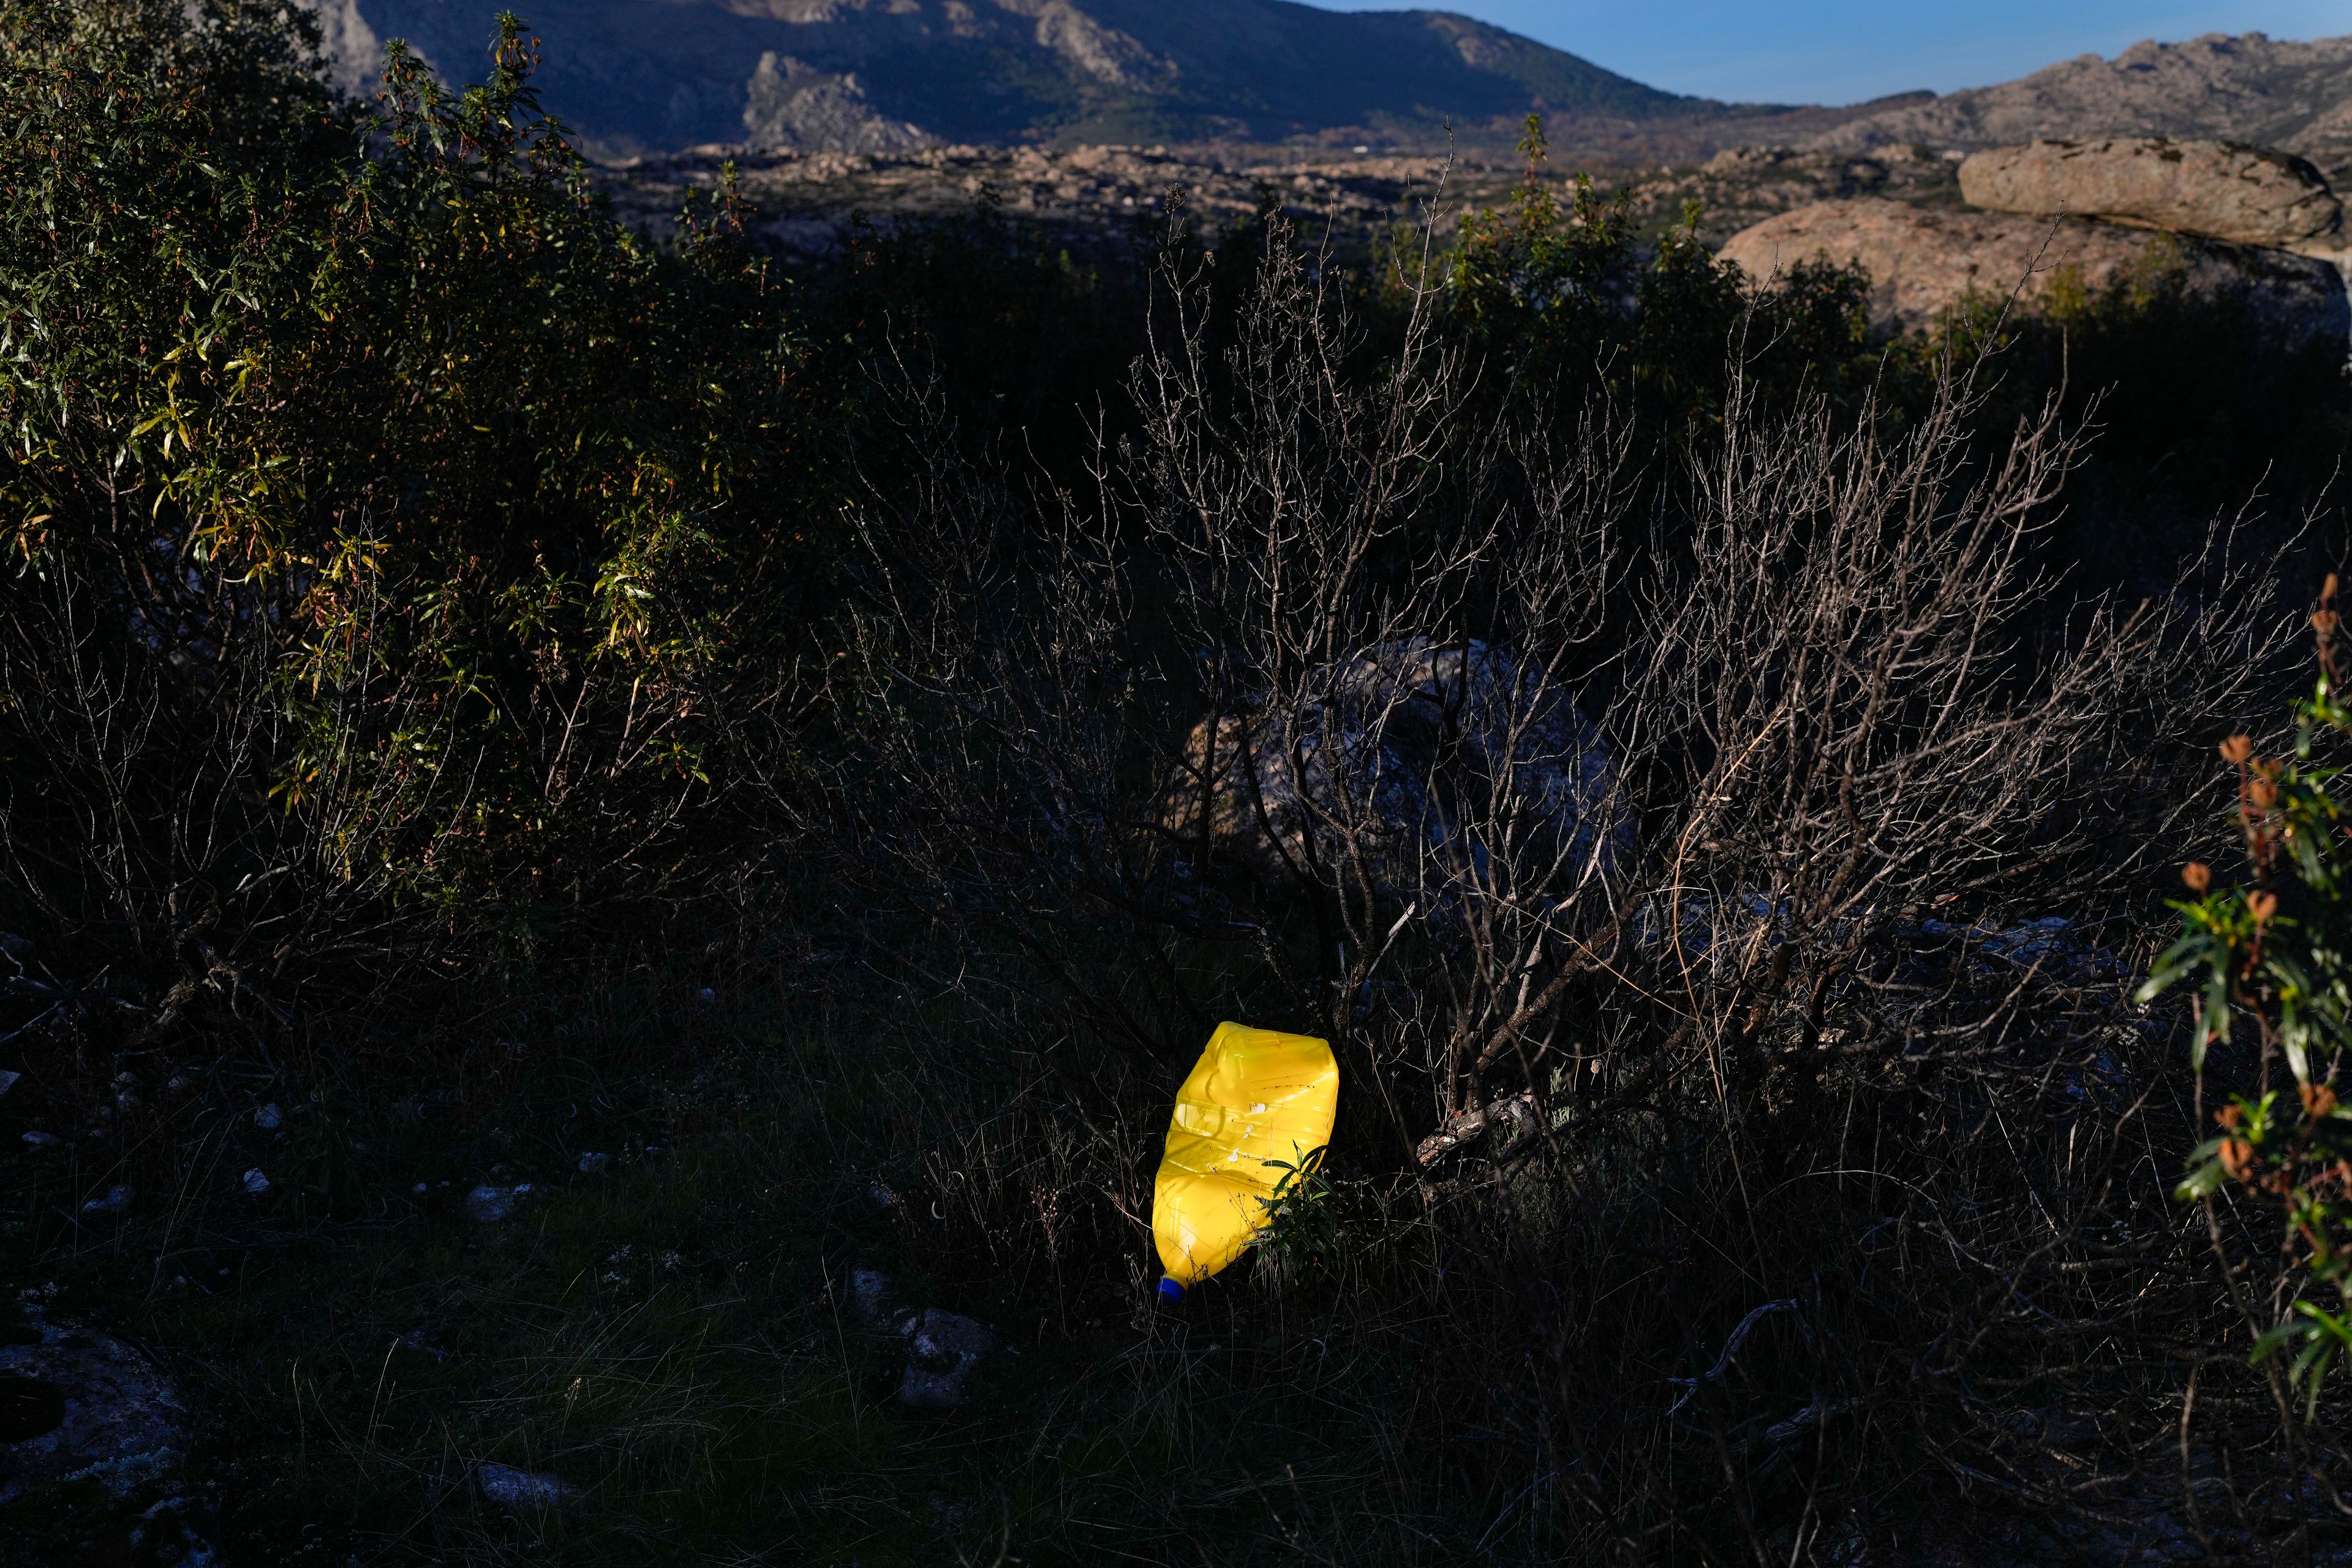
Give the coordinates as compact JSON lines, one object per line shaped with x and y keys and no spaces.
{"x":1923,"y":262}
{"x":2225,"y":190}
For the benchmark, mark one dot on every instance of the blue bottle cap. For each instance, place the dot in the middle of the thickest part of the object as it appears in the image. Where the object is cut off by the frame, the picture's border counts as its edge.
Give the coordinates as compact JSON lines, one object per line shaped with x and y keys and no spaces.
{"x":1170,"y":1292}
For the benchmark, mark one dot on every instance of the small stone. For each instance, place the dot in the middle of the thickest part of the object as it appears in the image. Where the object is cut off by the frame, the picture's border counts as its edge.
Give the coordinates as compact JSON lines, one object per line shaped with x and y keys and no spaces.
{"x":592,"y":1164}
{"x":256,"y":1182}
{"x":708,"y":994}
{"x":884,"y":1198}
{"x":420,"y":1340}
{"x":116,"y":1201}
{"x":942,"y":1350}
{"x":488,"y":1204}
{"x":419,"y":1190}
{"x":268,"y":1117}
{"x":43,"y":1140}
{"x":870,"y":1296}
{"x":511,"y":1487}
{"x":181,"y":1080}
{"x":8,"y":1081}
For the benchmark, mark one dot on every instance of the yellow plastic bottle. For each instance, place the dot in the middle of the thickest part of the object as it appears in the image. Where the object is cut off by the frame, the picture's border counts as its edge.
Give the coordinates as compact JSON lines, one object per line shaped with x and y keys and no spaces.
{"x":1255,"y":1096}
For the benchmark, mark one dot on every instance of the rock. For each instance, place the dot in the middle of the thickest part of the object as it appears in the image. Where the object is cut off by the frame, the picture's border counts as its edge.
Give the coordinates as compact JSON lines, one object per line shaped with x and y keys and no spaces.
{"x":595,"y":1164}
{"x":511,"y":1487}
{"x":256,"y":1184}
{"x":80,"y":1404}
{"x":872,"y":1301}
{"x":790,"y":104}
{"x":8,"y":1081}
{"x":942,"y":1350}
{"x":420,"y":1340}
{"x":268,"y":1117}
{"x":1922,"y":263}
{"x":112,"y":1204}
{"x":2223,"y":190}
{"x":489,"y":1205}
{"x":1373,"y":734}
{"x":44,"y":1139}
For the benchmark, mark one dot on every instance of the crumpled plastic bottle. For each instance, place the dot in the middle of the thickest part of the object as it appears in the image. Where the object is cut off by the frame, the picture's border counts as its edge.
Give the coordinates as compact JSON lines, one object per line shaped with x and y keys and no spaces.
{"x":1256,"y":1109}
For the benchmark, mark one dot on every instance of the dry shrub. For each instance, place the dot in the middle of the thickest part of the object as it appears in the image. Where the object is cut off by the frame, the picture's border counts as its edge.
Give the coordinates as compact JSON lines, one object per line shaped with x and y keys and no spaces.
{"x":1778,"y":1154}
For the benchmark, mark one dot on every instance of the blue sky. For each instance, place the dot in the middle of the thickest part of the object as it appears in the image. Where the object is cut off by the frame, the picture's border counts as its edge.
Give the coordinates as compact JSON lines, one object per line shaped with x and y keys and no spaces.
{"x":1841,"y":51}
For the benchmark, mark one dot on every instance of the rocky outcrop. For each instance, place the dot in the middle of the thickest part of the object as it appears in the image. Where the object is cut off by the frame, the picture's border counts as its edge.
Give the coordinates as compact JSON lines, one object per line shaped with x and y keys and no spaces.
{"x":790,"y":105}
{"x":2223,"y":190}
{"x":1105,"y":54}
{"x":353,"y":55}
{"x":1922,"y":263}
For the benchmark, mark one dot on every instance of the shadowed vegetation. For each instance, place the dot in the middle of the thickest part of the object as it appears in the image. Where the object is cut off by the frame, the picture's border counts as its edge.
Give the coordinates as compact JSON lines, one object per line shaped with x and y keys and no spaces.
{"x":791,"y":764}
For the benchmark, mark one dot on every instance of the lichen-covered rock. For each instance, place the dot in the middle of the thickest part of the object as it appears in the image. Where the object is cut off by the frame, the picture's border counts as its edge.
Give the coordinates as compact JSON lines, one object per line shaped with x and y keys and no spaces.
{"x":84,"y":1405}
{"x":1924,"y":262}
{"x":2223,"y":190}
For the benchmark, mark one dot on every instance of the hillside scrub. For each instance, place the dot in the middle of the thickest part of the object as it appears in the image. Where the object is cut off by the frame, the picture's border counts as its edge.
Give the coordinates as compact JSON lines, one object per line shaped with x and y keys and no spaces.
{"x":792,"y":768}
{"x":396,"y":542}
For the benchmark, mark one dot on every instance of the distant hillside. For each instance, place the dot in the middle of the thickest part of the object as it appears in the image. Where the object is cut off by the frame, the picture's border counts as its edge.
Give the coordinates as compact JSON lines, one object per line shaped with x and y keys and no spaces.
{"x":635,"y":77}
{"x":888,"y":75}
{"x":2251,"y":88}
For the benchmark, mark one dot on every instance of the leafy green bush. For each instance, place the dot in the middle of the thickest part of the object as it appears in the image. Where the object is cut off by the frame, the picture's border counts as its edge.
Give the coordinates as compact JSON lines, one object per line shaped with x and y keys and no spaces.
{"x":494,"y":521}
{"x":1558,"y":297}
{"x":2275,"y":958}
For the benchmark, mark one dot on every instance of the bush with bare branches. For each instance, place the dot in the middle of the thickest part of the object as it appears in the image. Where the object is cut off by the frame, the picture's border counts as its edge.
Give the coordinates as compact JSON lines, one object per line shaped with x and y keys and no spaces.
{"x":1724,"y":883}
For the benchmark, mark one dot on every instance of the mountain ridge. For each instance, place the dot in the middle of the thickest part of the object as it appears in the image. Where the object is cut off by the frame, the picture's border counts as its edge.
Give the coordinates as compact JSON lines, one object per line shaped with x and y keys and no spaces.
{"x":651,"y":77}
{"x":876,"y":74}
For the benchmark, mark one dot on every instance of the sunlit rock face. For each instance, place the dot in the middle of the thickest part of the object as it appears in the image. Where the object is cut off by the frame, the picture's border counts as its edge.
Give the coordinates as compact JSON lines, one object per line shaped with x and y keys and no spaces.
{"x":1923,"y":262}
{"x":2222,"y":190}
